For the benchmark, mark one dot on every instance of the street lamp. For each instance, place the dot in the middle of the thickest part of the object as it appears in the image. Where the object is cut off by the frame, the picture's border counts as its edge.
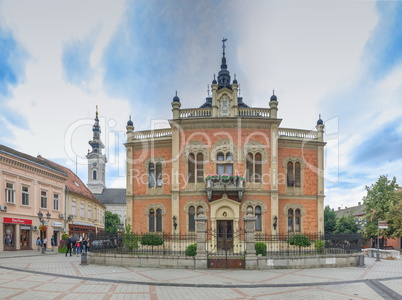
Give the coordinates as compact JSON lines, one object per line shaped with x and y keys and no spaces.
{"x":174,"y":222}
{"x":275,"y":222}
{"x":42,"y":222}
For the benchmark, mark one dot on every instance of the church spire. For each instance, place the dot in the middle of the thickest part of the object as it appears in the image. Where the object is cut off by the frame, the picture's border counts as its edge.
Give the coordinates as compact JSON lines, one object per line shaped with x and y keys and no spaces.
{"x":224,"y":75}
{"x":96,"y":142}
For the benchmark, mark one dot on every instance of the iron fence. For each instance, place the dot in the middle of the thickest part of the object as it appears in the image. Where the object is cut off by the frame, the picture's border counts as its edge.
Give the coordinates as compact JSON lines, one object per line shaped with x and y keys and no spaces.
{"x":141,"y":244}
{"x":297,"y":244}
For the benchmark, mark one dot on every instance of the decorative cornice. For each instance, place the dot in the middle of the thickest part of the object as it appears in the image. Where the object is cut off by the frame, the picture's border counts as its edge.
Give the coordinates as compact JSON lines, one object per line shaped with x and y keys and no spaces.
{"x":294,"y":206}
{"x":254,"y":203}
{"x":195,"y":203}
{"x":155,"y":206}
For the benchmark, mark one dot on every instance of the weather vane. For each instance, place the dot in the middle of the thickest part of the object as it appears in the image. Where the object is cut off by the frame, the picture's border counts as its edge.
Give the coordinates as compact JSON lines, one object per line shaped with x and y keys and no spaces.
{"x":223,"y":42}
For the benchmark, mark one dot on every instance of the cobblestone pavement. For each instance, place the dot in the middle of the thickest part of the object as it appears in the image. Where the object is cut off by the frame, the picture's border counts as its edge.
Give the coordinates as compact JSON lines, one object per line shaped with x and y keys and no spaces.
{"x":30,"y":275}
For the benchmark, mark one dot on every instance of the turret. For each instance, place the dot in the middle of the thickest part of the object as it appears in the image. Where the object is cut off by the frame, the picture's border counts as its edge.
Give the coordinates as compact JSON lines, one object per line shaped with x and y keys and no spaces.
{"x":176,"y":107}
{"x":273,"y":105}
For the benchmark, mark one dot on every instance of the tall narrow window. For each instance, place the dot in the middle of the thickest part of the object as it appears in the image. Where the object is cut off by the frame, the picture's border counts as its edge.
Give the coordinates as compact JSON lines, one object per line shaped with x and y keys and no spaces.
{"x":94,"y":177}
{"x":10,"y":193}
{"x":297,"y":175}
{"x":191,"y":168}
{"x":254,"y":167}
{"x":159,"y":220}
{"x":151,"y":220}
{"x":290,"y":177}
{"x":297,"y":220}
{"x":258,"y":222}
{"x":89,"y":212}
{"x":73,"y":208}
{"x":151,"y":175}
{"x":43,"y":199}
{"x":25,"y":195}
{"x":200,"y":167}
{"x":191,"y":220}
{"x":290,"y":220}
{"x":257,"y":167}
{"x":56,"y":201}
{"x":158,"y":174}
{"x":249,"y":167}
{"x":82,"y":210}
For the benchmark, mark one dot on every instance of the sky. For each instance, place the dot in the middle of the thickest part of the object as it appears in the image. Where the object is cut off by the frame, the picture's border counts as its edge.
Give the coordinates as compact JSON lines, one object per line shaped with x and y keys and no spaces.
{"x":340,"y":59}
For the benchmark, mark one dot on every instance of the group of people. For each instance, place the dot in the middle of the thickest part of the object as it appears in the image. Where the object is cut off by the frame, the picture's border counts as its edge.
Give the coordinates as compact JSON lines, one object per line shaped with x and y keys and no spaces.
{"x":76,"y":246}
{"x":44,"y":244}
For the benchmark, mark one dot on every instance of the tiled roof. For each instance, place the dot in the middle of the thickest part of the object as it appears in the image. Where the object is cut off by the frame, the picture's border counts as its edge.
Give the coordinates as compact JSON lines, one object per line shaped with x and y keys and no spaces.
{"x":353,"y":210}
{"x":112,"y":196}
{"x":74,"y":183}
{"x":40,"y":161}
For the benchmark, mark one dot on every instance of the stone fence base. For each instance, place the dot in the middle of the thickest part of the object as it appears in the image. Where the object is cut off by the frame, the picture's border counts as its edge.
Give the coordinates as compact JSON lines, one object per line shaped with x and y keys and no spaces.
{"x":260,"y":263}
{"x":315,"y":261}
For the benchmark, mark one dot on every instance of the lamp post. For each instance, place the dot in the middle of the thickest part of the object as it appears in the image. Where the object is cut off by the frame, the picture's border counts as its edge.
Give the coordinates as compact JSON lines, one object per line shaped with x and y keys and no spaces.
{"x":174,"y":223}
{"x":275,"y":222}
{"x":42,"y":222}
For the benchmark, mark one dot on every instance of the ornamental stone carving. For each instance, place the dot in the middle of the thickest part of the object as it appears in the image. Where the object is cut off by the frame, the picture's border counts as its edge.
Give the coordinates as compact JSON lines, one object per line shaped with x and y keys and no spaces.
{"x":155,"y":206}
{"x":196,"y":203}
{"x":294,"y":206}
{"x":224,"y":146}
{"x":254,"y":203}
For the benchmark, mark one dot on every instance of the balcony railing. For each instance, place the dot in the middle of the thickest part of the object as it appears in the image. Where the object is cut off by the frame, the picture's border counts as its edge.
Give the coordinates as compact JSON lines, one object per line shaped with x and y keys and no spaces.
{"x":152,"y":134}
{"x":254,"y":112}
{"x":195,"y":113}
{"x":225,"y":184}
{"x":298,"y":134}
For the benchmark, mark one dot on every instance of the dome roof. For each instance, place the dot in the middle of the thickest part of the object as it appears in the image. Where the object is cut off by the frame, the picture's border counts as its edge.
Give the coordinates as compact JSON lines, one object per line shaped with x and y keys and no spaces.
{"x":129,"y":122}
{"x":320,"y":122}
{"x":176,"y":98}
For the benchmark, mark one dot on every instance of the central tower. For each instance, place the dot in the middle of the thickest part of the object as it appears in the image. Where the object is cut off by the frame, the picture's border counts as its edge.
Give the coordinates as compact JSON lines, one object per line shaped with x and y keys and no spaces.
{"x":96,"y":160}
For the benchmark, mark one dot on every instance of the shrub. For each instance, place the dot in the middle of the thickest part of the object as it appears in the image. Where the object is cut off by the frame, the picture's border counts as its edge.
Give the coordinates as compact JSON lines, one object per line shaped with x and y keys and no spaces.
{"x":191,"y":250}
{"x":260,"y":248}
{"x":64,"y":237}
{"x":319,"y":246}
{"x":151,"y":239}
{"x":130,"y":241}
{"x":300,"y":241}
{"x":62,"y":249}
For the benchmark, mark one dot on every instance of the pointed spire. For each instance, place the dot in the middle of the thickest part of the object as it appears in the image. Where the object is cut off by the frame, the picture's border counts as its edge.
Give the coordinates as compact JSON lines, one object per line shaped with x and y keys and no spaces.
{"x":96,"y":142}
{"x":320,"y":122}
{"x":208,"y":89}
{"x":224,"y":75}
{"x":175,"y":98}
{"x":224,"y":65}
{"x":129,"y":122}
{"x":273,"y":97}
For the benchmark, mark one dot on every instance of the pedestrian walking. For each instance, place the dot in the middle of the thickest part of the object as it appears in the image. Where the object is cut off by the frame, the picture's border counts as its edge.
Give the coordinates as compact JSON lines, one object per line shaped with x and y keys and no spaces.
{"x":69,"y":245}
{"x":78,"y":247}
{"x":84,"y":245}
{"x":38,"y":243}
{"x":52,"y":242}
{"x":74,"y":243}
{"x":45,"y":242}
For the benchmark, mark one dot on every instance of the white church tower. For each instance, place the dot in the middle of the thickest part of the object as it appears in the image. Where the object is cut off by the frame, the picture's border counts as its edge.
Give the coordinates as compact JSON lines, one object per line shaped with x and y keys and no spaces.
{"x":96,"y":160}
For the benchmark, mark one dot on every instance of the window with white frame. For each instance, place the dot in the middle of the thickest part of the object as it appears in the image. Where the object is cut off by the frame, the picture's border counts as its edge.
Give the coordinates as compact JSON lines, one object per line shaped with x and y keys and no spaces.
{"x":89,"y":212}
{"x":10,"y":193}
{"x":25,"y":195}
{"x":254,"y":167}
{"x":224,"y":164}
{"x":294,"y":220}
{"x":74,"y":208}
{"x":43,"y":199}
{"x":82,"y":210}
{"x":56,"y":201}
{"x":195,"y":167}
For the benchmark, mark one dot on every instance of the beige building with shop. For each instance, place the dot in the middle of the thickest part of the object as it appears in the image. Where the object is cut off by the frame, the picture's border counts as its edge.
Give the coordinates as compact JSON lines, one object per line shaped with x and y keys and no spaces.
{"x":29,"y":185}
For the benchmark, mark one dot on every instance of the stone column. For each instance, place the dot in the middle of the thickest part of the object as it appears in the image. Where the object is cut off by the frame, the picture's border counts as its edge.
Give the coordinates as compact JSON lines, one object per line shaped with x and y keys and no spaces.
{"x":201,"y":227}
{"x":249,"y":223}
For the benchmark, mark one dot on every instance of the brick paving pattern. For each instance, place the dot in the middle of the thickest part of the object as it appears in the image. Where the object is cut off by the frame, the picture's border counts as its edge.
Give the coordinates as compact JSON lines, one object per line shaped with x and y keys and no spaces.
{"x":30,"y":275}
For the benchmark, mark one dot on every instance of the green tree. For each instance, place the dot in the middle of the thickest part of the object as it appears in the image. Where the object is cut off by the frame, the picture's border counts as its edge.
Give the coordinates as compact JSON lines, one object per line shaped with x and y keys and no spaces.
{"x":112,"y":222}
{"x":346,"y":224}
{"x":300,"y":240}
{"x":381,"y":203}
{"x":329,"y":219}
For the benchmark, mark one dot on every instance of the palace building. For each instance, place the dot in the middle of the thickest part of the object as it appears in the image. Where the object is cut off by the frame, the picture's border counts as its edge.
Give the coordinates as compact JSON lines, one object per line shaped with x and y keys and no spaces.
{"x":224,"y":158}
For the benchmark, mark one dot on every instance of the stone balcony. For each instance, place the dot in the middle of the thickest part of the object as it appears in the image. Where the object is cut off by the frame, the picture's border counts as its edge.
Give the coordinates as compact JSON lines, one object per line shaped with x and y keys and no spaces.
{"x":219,"y":186}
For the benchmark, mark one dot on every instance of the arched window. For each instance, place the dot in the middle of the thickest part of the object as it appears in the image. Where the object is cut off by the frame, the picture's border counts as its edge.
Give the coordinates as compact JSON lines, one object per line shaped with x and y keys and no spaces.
{"x":294,"y":220}
{"x":159,"y":220}
{"x":94,"y":174}
{"x":151,"y":220}
{"x":290,"y":177}
{"x":290,"y":220}
{"x":297,"y":220}
{"x":158,"y":174}
{"x":191,"y":220}
{"x":225,"y":163}
{"x":195,"y":168}
{"x":254,"y":167}
{"x":151,"y":175}
{"x":258,"y":221}
{"x":297,"y":175}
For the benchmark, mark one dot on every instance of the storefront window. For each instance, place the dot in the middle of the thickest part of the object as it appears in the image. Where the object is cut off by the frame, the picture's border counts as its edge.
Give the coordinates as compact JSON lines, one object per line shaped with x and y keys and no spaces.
{"x":9,"y":236}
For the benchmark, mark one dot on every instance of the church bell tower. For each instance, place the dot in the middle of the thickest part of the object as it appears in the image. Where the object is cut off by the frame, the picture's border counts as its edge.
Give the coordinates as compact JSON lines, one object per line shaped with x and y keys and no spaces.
{"x":96,"y":160}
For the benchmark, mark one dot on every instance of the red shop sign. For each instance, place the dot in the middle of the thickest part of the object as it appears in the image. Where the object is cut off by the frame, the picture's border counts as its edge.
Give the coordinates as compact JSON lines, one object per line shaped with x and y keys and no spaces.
{"x":17,"y":221}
